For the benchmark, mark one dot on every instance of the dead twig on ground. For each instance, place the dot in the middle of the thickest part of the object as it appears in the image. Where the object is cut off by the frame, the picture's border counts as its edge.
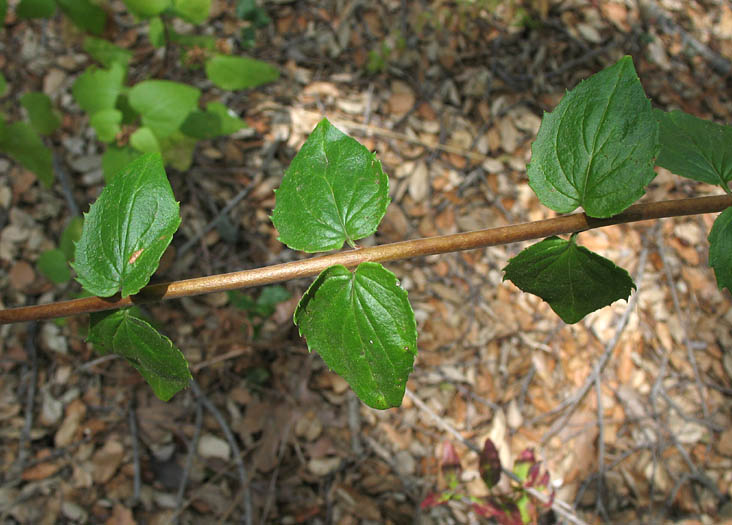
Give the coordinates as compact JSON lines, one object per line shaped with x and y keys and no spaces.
{"x":192,"y":445}
{"x":677,"y":307}
{"x":247,"y":518}
{"x":137,"y":478}
{"x":30,"y":380}
{"x":212,"y":224}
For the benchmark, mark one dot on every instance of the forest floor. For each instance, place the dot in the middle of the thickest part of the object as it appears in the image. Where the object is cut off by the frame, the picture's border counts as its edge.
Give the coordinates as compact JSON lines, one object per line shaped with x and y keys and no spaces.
{"x":630,"y":410}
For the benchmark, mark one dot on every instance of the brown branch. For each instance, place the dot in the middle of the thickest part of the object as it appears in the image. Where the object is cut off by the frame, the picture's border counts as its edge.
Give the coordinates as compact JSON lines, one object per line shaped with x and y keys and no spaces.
{"x":575,"y":222}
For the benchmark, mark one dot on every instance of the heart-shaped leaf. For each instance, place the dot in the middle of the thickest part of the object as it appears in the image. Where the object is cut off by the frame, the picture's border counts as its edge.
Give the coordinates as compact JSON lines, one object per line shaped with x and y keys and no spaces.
{"x":97,"y":89}
{"x":52,"y":264}
{"x":333,"y":192}
{"x":43,"y":117}
{"x":85,"y":15}
{"x":35,"y":8}
{"x":228,"y":72}
{"x":106,"y":53}
{"x":127,"y":230}
{"x":598,"y":147}
{"x":19,"y":141}
{"x":720,"y":249}
{"x":695,"y":148}
{"x":164,"y":105}
{"x":572,"y":279}
{"x":193,"y":11}
{"x":147,"y":8}
{"x":143,"y":139}
{"x":106,"y":123}
{"x":363,"y":327}
{"x":151,"y":353}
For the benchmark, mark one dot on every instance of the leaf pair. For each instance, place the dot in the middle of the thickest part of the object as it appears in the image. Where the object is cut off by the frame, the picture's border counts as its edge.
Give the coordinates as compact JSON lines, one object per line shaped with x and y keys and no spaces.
{"x":170,"y":119}
{"x":21,"y":140}
{"x":702,"y":150}
{"x":597,"y":150}
{"x":83,"y":13}
{"x":125,"y":233}
{"x":193,"y":11}
{"x":361,"y":323}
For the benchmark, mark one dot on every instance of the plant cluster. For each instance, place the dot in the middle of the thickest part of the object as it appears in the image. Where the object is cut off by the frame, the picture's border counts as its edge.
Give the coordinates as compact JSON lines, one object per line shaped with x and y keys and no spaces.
{"x":154,"y":115}
{"x":514,"y":508}
{"x":597,"y":150}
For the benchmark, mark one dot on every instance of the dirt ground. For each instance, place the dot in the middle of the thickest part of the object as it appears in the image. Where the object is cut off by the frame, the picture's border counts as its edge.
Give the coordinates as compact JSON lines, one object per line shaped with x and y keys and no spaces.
{"x":630,"y":410}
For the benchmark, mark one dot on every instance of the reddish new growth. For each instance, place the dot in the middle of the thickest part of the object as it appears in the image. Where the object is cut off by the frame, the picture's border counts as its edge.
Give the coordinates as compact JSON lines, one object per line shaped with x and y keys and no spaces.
{"x":514,"y":508}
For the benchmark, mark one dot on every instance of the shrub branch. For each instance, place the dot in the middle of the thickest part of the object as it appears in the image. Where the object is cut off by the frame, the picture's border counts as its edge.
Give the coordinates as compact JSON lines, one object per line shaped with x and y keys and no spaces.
{"x":564,"y":224}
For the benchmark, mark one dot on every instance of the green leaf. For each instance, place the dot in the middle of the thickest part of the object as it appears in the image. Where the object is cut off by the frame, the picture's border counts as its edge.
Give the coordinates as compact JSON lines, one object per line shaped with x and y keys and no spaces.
{"x":97,"y":89}
{"x":106,"y":53}
{"x":52,"y":264}
{"x":695,"y":148}
{"x":147,"y":8}
{"x":129,"y":115}
{"x":36,"y":8}
{"x":232,"y":73}
{"x":127,"y":230}
{"x":3,"y":13}
{"x":85,"y":15}
{"x":144,"y":140}
{"x":43,"y":117}
{"x":178,"y":150}
{"x":193,"y":11}
{"x":116,"y":159}
{"x":106,"y":123}
{"x":156,"y":32}
{"x":151,"y":353}
{"x":201,"y":125}
{"x":266,"y":303}
{"x":20,"y":142}
{"x":164,"y":105}
{"x":69,"y":237}
{"x":597,"y":148}
{"x":572,"y":279}
{"x":230,"y":122}
{"x":3,"y":85}
{"x":248,"y":10}
{"x":333,"y":192}
{"x":720,"y":249}
{"x":215,"y":121}
{"x":363,"y":327}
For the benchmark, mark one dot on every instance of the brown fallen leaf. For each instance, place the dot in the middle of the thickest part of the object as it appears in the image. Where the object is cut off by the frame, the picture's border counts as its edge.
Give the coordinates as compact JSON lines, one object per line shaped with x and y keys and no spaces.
{"x":106,"y":461}
{"x":121,"y":515}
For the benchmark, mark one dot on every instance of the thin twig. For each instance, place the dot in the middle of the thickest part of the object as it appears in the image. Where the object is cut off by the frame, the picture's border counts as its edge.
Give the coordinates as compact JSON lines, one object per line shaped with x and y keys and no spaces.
{"x":275,"y":474}
{"x":387,"y":252}
{"x":68,"y":191}
{"x":354,"y":423}
{"x":682,"y":323}
{"x":243,"y":477}
{"x":136,"y":479}
{"x":212,"y":224}
{"x":599,"y":504}
{"x":718,"y":62}
{"x":193,"y":445}
{"x":31,"y":380}
{"x":562,"y":508}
